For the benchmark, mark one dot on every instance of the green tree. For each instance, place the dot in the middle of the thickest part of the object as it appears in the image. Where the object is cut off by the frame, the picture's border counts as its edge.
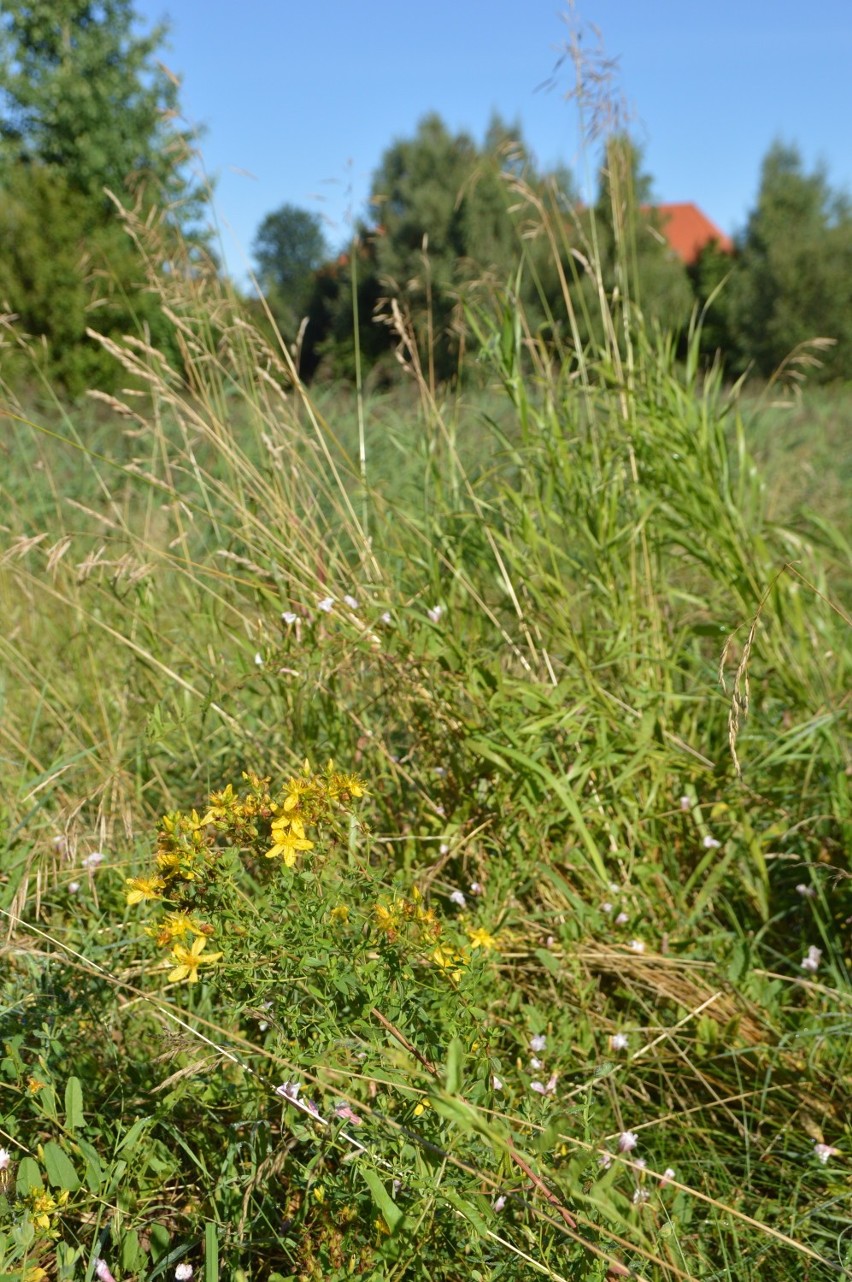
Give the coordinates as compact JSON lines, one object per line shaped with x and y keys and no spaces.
{"x":444,"y":222}
{"x":289,"y":249}
{"x":82,"y":92}
{"x":794,"y":276}
{"x":84,"y":106}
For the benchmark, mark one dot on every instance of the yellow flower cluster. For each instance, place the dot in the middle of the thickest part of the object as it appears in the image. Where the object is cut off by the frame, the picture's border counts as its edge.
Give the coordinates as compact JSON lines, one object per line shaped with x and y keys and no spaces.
{"x":45,"y":1209}
{"x":254,"y":822}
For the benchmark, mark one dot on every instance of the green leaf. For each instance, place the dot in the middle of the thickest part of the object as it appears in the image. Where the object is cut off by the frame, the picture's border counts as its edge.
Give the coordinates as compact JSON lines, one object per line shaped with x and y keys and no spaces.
{"x":132,"y":1256}
{"x":133,"y":1136}
{"x":393,"y":1216}
{"x":74,"y":1116}
{"x":94,"y":1170}
{"x":29,"y":1176}
{"x":211,"y":1253}
{"x":455,"y":1059}
{"x":60,"y":1172}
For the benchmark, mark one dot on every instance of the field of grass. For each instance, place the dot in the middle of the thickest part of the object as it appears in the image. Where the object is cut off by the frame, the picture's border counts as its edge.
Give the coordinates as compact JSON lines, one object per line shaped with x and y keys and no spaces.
{"x":548,"y":974}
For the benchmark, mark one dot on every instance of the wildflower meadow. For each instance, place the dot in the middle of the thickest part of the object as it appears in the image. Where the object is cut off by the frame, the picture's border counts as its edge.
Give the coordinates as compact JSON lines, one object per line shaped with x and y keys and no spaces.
{"x":426,"y":811}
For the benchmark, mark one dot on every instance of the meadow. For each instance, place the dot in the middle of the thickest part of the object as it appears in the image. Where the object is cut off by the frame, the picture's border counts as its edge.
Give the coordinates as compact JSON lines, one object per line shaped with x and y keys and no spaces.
{"x":425,"y":816}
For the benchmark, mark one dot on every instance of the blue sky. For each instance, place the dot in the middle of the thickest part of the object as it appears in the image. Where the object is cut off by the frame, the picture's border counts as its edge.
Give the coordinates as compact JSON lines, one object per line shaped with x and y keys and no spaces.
{"x":300,"y":100}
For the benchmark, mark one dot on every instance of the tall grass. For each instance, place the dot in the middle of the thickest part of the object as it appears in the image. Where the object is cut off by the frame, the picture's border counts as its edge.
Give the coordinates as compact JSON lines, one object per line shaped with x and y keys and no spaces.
{"x":543,"y":577}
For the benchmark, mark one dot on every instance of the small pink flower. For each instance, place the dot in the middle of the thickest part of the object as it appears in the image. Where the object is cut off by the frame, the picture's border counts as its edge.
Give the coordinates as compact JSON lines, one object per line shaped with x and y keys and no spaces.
{"x":5,"y":1159}
{"x":73,"y":887}
{"x":102,"y":1271}
{"x":475,"y":887}
{"x":622,"y":919}
{"x":343,"y":1111}
{"x":640,"y":1196}
{"x":605,"y":1160}
{"x":351,"y":601}
{"x":668,"y":1174}
{"x":538,"y":1043}
{"x":825,"y":1151}
{"x":618,"y":1042}
{"x":807,"y":892}
{"x":606,"y":907}
{"x":685,"y":802}
{"x":710,"y":843}
{"x":812,"y":960}
{"x":627,"y":1141}
{"x":289,"y":618}
{"x":496,"y":1082}
{"x":326,"y":604}
{"x":94,"y":859}
{"x":457,"y":898}
{"x":183,"y":1272}
{"x":499,"y":1203}
{"x":435,"y":613}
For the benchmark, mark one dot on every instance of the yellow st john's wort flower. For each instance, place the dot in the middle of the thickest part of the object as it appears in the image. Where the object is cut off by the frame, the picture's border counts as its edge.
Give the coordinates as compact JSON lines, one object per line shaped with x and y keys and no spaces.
{"x":140,"y":888}
{"x":189,"y":959}
{"x":480,"y":938}
{"x":288,"y":834}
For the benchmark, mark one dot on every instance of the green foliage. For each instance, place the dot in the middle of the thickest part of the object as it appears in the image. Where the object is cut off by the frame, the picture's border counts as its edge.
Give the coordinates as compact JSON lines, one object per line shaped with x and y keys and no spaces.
{"x":289,"y":249}
{"x":82,"y":93}
{"x":84,"y":107}
{"x":794,"y":275}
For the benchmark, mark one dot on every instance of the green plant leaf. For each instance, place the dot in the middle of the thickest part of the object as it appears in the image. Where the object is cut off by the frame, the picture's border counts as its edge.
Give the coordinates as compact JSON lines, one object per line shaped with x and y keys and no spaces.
{"x":74,"y":1116}
{"x":60,"y":1171}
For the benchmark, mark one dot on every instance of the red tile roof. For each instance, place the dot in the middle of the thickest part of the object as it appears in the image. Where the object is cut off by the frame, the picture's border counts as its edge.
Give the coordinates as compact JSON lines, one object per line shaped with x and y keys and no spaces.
{"x":688,"y":231}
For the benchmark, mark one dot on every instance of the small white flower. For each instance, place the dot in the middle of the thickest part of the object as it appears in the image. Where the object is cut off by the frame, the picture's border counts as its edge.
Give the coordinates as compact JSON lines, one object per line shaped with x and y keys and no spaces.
{"x":435,"y":613}
{"x":550,"y":941}
{"x":440,"y":771}
{"x":258,"y":658}
{"x":443,"y":849}
{"x":668,"y":1174}
{"x":351,"y":601}
{"x":618,"y":1042}
{"x":499,"y":1203}
{"x":73,"y":887}
{"x":326,"y":604}
{"x":289,"y":1090}
{"x":811,"y":962}
{"x":640,"y":1162}
{"x":289,"y":617}
{"x":685,"y":802}
{"x":535,"y":1062}
{"x":5,"y":1159}
{"x":439,"y":810}
{"x":95,"y":858}
{"x":475,"y":887}
{"x":622,"y":919}
{"x":606,"y":907}
{"x":538,"y":1087}
{"x":496,"y":1082}
{"x":710,"y":843}
{"x":395,"y":1187}
{"x":825,"y":1151}
{"x":605,"y":1160}
{"x":807,"y":892}
{"x":183,"y":1272}
{"x":457,"y":897}
{"x":627,"y":1141}
{"x":640,"y":1196}
{"x":386,"y":617}
{"x":538,"y":1043}
{"x":614,"y":888}
{"x":636,"y":946}
{"x":102,"y":1271}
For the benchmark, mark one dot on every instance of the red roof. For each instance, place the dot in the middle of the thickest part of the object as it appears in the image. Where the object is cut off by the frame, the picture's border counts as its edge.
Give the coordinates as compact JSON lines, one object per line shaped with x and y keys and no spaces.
{"x":688,"y":231}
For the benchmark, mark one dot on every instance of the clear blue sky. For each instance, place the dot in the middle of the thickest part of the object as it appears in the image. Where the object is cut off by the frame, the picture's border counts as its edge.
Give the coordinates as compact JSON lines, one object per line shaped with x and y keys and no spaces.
{"x":299,"y":100}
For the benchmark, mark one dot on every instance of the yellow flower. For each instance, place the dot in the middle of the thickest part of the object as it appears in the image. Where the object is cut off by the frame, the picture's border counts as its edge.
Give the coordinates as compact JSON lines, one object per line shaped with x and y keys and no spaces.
{"x":480,"y":938}
{"x":449,"y":961}
{"x":144,"y":888}
{"x":340,"y":913}
{"x":422,"y":1106}
{"x":319,"y":1193}
{"x":288,"y":834}
{"x":175,"y":926}
{"x":189,"y":959}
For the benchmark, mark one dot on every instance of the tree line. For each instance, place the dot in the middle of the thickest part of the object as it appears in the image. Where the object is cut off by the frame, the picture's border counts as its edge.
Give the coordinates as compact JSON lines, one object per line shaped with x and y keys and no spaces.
{"x":89,"y":116}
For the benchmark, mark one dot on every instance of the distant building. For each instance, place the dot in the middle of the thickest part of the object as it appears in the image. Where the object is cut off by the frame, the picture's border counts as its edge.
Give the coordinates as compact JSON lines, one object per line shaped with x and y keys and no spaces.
{"x":688,"y":231}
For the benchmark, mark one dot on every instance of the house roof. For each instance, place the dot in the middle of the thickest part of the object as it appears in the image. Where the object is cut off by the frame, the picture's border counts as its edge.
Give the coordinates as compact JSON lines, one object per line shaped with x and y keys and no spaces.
{"x":688,"y":231}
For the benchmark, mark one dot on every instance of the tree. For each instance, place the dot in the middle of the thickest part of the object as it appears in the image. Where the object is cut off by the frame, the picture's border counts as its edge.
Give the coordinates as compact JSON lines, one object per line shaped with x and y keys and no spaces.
{"x":444,"y":222}
{"x":794,"y":276}
{"x":289,"y":249}
{"x":84,"y":94}
{"x":83,"y":107}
